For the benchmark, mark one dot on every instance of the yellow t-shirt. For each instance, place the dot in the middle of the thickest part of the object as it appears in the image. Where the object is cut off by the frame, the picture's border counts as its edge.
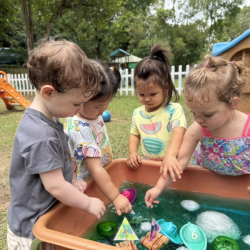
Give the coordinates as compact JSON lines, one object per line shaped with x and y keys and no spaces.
{"x":155,"y":128}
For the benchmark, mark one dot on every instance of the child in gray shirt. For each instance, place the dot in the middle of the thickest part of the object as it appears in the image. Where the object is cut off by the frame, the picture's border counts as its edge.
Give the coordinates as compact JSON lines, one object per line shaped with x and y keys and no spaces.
{"x":41,"y":170}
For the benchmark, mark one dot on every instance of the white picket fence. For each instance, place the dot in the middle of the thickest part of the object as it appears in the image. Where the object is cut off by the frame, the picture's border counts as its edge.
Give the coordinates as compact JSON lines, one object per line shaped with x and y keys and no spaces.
{"x":127,"y":82}
{"x":21,"y":83}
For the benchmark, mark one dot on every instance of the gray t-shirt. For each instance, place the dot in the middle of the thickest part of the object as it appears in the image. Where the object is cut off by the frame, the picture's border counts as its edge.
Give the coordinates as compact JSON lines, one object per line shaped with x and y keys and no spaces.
{"x":40,"y":145}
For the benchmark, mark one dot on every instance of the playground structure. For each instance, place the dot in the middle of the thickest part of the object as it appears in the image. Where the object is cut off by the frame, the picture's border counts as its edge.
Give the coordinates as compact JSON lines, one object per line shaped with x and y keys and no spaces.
{"x":63,"y":225}
{"x":10,"y":95}
{"x":237,"y":50}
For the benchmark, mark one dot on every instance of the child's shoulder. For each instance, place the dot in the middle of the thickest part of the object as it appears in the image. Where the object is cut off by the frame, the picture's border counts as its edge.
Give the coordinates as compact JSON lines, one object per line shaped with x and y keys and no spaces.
{"x":73,"y":125}
{"x":35,"y":128}
{"x":138,"y":110}
{"x":173,"y":107}
{"x":33,"y":121}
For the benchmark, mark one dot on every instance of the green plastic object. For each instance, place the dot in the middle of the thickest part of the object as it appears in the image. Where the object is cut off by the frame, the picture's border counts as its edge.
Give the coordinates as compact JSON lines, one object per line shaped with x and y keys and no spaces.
{"x":107,"y":228}
{"x":135,"y":219}
{"x":193,"y":237}
{"x":35,"y":244}
{"x":225,"y":243}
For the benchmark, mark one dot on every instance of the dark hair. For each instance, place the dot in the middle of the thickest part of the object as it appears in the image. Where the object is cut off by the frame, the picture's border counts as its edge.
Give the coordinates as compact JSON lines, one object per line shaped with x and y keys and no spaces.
{"x":156,"y":68}
{"x":109,"y":81}
{"x":63,"y":65}
{"x":227,"y":80}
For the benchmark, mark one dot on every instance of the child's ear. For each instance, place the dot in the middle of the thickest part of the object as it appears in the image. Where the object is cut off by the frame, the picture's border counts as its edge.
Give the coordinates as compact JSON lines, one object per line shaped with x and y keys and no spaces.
{"x":47,"y":91}
{"x":166,"y":89}
{"x":234,"y":103}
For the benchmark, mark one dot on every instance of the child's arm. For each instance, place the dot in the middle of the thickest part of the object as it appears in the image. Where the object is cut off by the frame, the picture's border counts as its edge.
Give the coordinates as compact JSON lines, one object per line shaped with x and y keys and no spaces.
{"x":191,"y":138}
{"x":103,"y":181}
{"x":134,"y":158}
{"x":63,"y":191}
{"x":170,"y":162}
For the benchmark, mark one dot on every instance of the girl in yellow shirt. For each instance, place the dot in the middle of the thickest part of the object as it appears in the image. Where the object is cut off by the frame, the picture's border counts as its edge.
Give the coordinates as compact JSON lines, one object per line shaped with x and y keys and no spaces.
{"x":159,"y":124}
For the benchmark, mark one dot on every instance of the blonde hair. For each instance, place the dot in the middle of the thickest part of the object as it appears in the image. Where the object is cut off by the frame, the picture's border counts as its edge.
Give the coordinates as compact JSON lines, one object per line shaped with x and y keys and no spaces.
{"x":63,"y":65}
{"x":227,"y":80}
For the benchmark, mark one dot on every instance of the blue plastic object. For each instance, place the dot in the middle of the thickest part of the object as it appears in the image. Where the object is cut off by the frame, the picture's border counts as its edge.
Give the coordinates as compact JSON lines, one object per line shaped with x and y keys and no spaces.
{"x":193,"y":237}
{"x":170,"y":230}
{"x":219,"y":48}
{"x":106,"y":116}
{"x":119,"y":50}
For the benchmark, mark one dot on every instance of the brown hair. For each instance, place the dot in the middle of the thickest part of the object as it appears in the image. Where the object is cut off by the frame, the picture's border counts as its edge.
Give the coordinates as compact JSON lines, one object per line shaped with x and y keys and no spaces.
{"x":227,"y":80}
{"x":63,"y":65}
{"x":109,"y":81}
{"x":156,"y":68}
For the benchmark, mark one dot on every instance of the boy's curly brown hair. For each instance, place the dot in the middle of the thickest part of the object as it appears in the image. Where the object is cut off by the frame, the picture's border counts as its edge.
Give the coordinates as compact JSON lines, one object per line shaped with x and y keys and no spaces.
{"x":63,"y":65}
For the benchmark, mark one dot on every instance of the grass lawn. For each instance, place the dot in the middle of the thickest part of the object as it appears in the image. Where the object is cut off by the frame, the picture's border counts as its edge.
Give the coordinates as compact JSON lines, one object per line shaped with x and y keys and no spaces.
{"x":13,"y":69}
{"x":121,"y":109}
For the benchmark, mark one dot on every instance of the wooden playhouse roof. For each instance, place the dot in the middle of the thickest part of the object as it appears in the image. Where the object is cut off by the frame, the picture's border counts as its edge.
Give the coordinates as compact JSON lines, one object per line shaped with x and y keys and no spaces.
{"x":220,"y":48}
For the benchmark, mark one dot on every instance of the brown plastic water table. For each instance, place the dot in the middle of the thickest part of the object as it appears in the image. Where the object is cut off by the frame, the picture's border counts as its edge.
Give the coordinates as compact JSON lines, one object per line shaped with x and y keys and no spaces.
{"x":64,"y":226}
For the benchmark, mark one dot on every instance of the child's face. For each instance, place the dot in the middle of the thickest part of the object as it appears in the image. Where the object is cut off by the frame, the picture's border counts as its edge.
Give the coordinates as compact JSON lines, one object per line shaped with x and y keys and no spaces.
{"x":67,"y":104}
{"x":211,"y":115}
{"x":93,"y":109}
{"x":151,"y":95}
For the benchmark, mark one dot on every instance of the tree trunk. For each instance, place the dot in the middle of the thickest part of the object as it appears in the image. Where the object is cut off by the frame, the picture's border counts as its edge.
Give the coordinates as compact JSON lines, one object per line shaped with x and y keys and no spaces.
{"x":27,"y":17}
{"x":53,"y":18}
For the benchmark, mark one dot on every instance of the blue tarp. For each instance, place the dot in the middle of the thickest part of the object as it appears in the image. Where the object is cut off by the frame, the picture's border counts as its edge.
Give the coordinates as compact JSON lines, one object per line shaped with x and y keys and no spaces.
{"x":119,"y":50}
{"x":222,"y":47}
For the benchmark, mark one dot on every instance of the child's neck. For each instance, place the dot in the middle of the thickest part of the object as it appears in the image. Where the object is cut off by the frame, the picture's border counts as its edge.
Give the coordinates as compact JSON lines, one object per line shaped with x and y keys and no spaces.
{"x":39,"y":105}
{"x":233,"y":127}
{"x":86,"y":118}
{"x":149,"y":110}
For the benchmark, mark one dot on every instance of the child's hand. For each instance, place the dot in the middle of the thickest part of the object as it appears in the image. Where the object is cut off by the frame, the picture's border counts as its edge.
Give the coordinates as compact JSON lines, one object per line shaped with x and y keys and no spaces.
{"x":134,"y":160}
{"x":96,"y":207}
{"x":122,"y":205}
{"x":80,"y":185}
{"x":171,"y":164}
{"x":151,"y":196}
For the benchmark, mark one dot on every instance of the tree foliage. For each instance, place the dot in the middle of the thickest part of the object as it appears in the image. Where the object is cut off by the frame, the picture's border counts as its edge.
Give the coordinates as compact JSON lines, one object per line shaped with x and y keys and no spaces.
{"x":188,"y":28}
{"x":7,"y":10}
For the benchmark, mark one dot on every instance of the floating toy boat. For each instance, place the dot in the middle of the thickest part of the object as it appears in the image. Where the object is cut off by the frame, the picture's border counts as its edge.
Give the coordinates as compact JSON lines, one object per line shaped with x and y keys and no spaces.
{"x":193,"y":237}
{"x":225,"y":243}
{"x":170,"y":230}
{"x":130,"y":194}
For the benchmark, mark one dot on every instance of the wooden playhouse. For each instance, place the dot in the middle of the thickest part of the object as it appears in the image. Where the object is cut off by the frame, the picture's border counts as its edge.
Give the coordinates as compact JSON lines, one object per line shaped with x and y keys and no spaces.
{"x":238,"y":49}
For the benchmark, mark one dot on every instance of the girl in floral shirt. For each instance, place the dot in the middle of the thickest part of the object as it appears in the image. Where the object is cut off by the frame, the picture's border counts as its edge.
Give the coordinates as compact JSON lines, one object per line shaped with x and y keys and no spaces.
{"x":212,"y":93}
{"x":88,"y":138}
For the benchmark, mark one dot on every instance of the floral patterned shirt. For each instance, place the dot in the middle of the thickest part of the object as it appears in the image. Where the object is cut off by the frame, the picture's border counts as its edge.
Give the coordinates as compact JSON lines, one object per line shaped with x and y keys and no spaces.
{"x":87,"y":138}
{"x":224,"y":156}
